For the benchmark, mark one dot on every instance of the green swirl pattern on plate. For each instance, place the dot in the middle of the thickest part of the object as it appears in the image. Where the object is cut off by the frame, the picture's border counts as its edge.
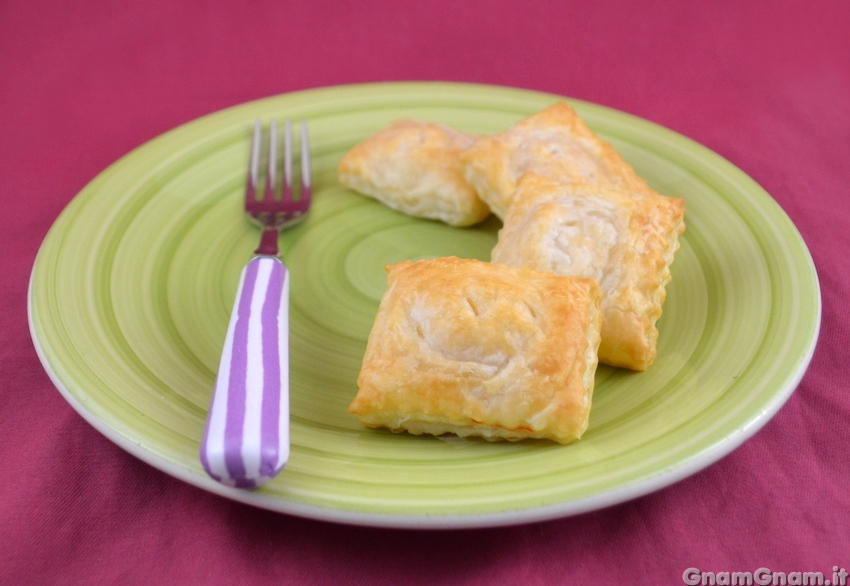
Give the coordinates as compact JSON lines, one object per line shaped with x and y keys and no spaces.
{"x":132,"y":290}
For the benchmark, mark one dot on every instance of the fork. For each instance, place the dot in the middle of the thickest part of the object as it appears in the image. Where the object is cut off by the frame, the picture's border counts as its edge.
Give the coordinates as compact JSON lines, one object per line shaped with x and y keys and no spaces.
{"x":246,"y":437}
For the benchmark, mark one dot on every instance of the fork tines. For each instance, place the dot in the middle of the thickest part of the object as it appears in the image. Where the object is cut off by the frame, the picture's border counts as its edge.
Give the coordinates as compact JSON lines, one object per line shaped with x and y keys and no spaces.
{"x":271,"y":186}
{"x":270,"y":211}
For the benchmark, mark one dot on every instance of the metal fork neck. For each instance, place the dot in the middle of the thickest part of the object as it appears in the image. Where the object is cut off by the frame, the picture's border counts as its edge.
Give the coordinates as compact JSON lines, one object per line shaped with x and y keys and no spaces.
{"x":268,"y":242}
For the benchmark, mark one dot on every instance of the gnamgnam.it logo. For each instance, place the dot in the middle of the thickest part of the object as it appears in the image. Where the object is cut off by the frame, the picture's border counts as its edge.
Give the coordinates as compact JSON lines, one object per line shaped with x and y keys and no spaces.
{"x":764,"y":577}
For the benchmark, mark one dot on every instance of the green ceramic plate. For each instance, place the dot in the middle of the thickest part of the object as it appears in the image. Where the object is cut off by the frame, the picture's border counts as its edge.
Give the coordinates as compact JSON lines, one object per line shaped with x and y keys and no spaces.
{"x":132,"y":289}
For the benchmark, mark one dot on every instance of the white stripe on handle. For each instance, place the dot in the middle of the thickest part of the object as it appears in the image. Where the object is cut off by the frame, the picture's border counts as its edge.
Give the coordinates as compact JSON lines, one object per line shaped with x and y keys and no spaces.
{"x":246,"y":439}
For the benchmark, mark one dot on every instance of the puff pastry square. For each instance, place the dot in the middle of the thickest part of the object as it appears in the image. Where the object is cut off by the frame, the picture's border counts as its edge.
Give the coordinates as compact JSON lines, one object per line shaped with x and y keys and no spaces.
{"x":554,"y":143}
{"x":624,"y":241}
{"x":474,"y":348}
{"x":413,"y":167}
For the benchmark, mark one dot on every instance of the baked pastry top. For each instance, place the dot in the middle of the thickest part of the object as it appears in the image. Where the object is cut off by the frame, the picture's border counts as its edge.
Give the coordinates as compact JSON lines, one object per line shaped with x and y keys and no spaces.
{"x":413,"y":167}
{"x":625,"y":241}
{"x":554,"y":143}
{"x":475,"y":348}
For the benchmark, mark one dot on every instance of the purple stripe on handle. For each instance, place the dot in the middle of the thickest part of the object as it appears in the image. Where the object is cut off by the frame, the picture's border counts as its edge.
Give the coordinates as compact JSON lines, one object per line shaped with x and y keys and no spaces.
{"x":270,"y":422}
{"x":237,"y":390}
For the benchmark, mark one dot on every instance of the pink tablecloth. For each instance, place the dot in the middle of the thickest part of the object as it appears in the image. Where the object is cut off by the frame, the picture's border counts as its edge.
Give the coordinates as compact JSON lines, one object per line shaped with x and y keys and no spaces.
{"x":765,"y":84}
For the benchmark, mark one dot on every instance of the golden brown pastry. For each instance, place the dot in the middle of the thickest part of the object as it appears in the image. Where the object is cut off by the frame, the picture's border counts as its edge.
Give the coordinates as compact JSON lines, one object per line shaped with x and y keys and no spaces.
{"x":554,"y":143}
{"x":474,"y":348}
{"x":413,"y":167}
{"x":625,"y":241}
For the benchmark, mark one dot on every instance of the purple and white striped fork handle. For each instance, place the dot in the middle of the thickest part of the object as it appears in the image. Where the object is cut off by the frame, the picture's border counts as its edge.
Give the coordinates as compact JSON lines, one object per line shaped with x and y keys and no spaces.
{"x":246,"y":439}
